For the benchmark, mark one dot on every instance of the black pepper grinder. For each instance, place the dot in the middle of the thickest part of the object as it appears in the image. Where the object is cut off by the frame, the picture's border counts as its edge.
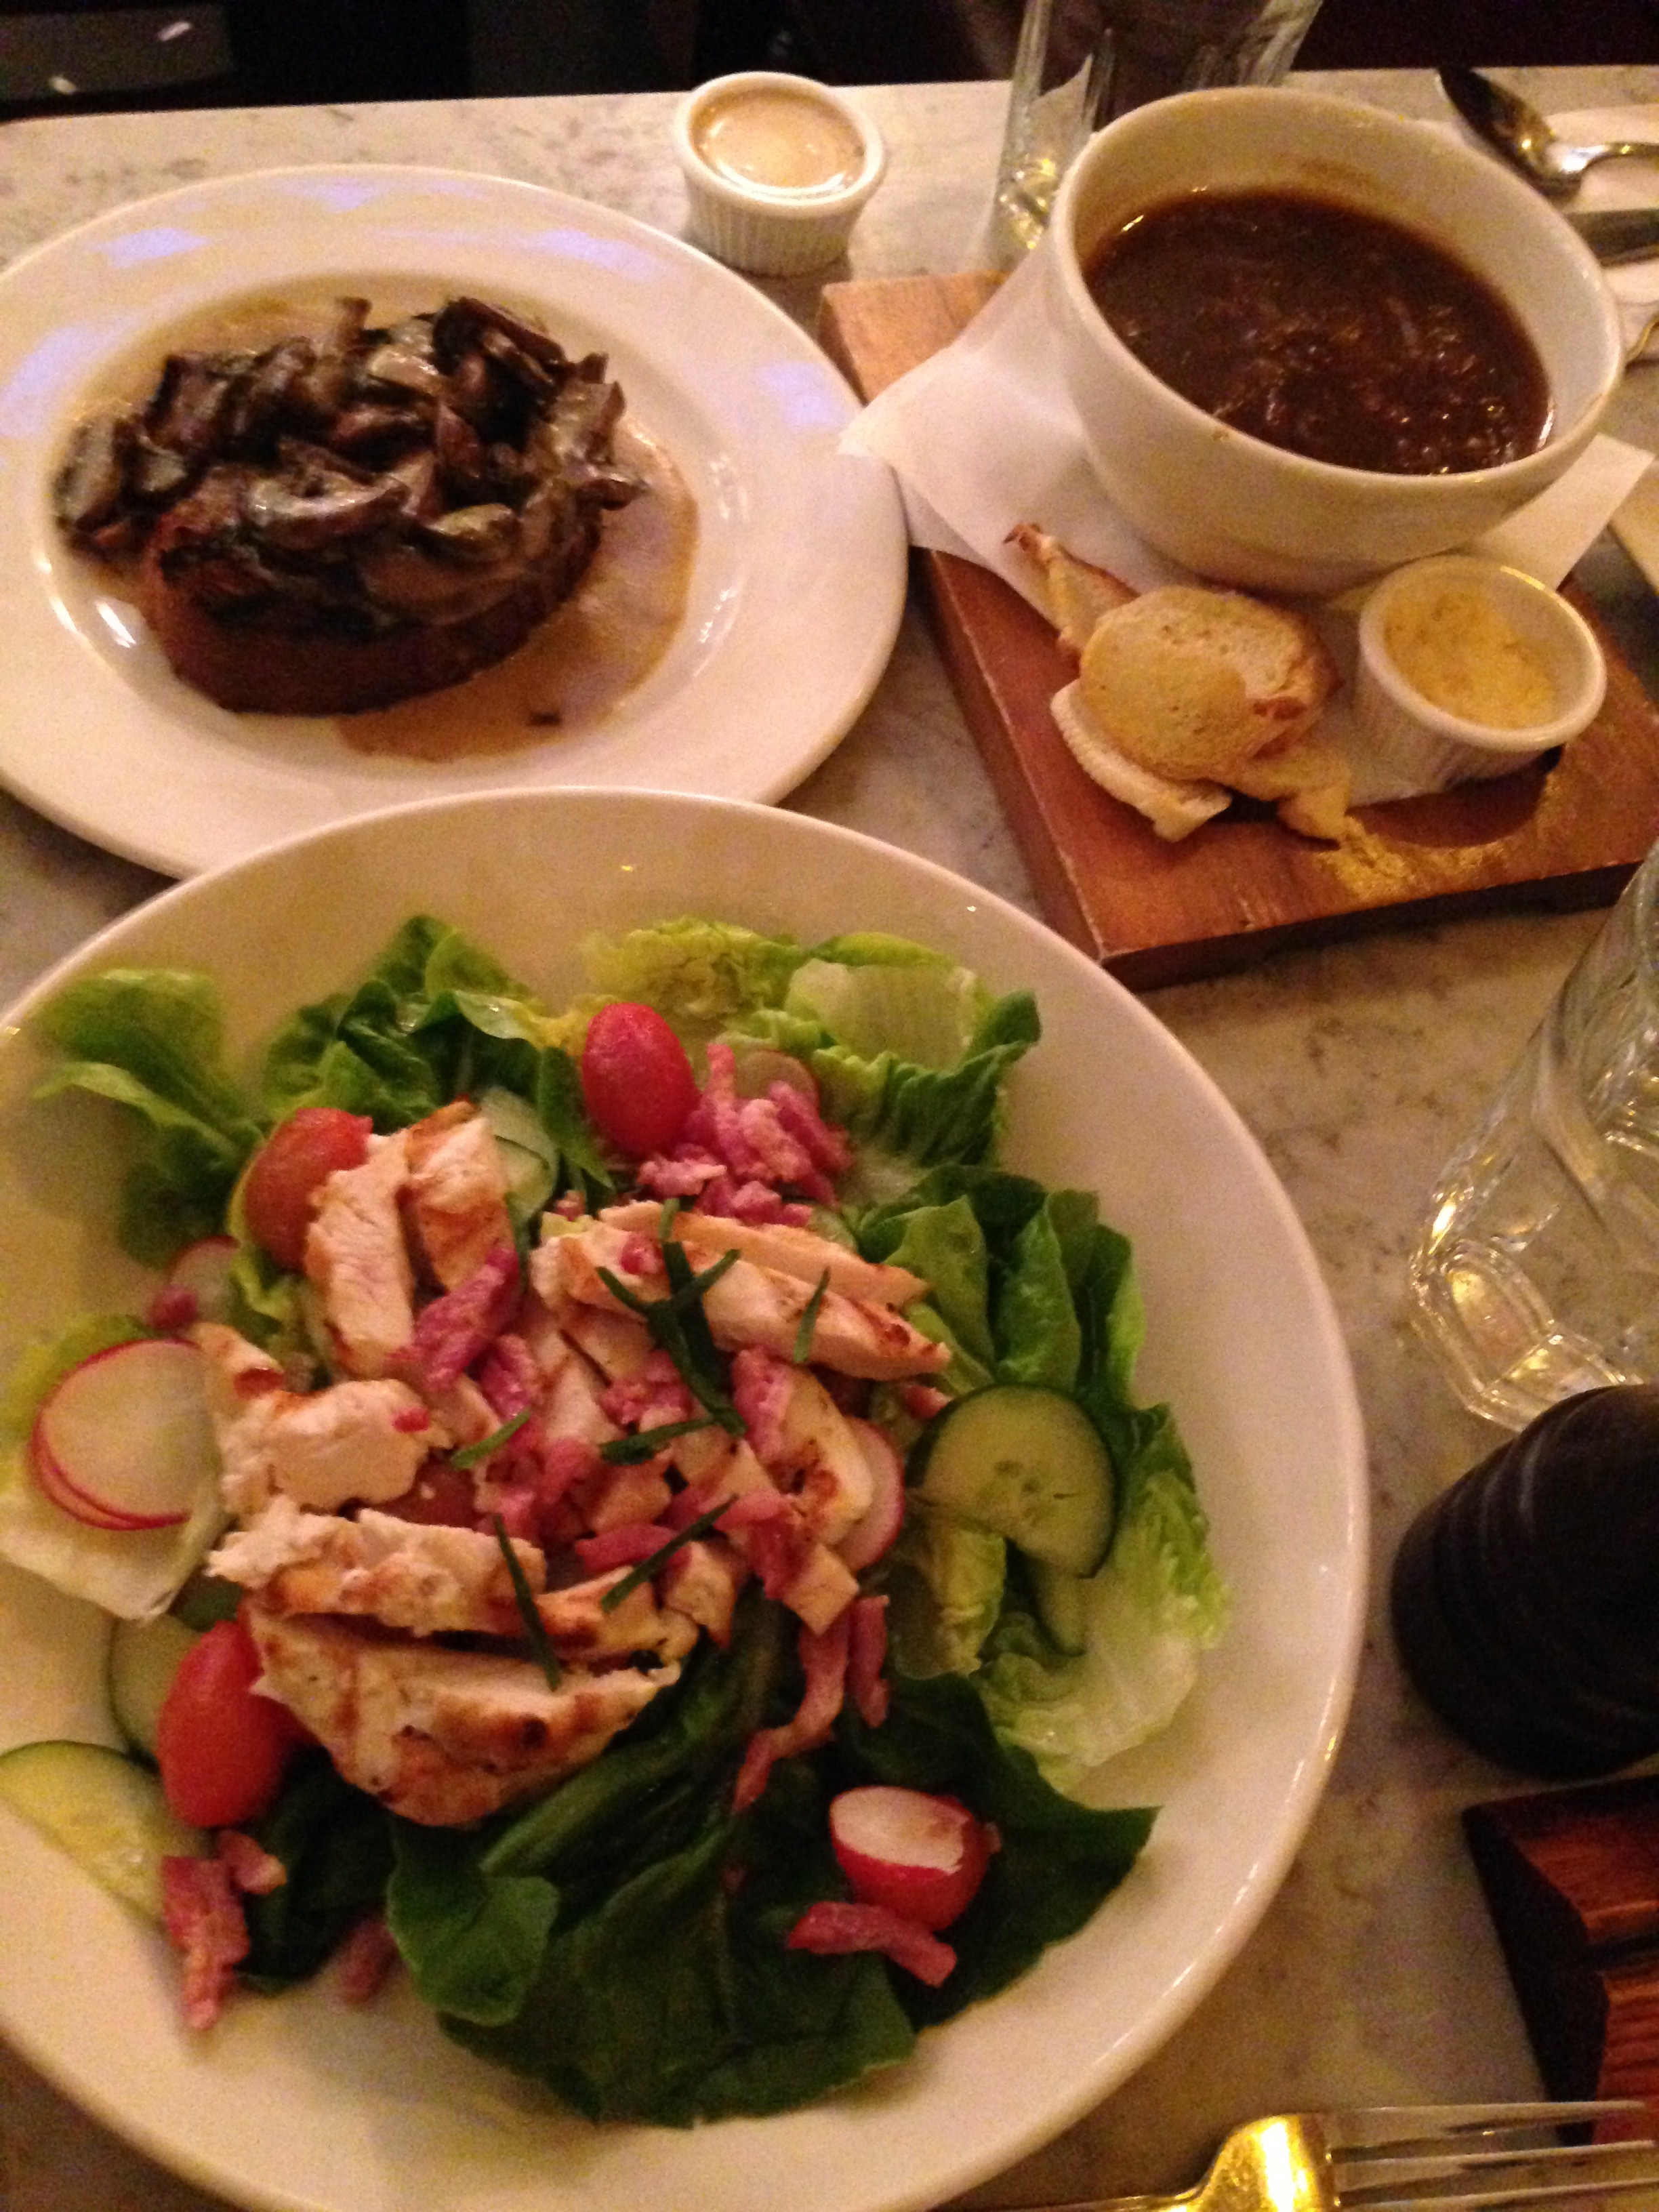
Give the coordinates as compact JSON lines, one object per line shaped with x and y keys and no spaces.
{"x":1526,"y":1599}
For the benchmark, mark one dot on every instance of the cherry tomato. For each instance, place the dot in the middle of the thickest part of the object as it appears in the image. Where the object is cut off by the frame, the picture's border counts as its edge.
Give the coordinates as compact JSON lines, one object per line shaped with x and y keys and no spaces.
{"x":222,"y":1750}
{"x":291,"y":1167}
{"x":636,"y":1079}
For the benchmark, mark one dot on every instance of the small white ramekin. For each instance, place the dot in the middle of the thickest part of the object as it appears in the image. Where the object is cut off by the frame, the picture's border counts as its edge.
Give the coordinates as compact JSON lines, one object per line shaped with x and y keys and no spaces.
{"x":768,"y":230}
{"x":1410,"y":734}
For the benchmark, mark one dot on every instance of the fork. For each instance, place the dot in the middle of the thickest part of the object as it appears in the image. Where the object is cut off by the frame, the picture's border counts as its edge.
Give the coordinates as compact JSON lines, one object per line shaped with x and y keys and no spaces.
{"x":1398,"y":2158}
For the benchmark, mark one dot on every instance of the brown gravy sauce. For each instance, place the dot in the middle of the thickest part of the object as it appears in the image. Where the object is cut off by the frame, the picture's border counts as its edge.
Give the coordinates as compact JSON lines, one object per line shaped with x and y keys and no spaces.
{"x":1327,"y":331}
{"x":590,"y":652}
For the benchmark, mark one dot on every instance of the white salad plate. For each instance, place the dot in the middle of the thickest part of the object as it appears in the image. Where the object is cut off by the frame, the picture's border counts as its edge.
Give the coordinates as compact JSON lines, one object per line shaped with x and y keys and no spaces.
{"x":798,"y":575}
{"x":303,"y":2104}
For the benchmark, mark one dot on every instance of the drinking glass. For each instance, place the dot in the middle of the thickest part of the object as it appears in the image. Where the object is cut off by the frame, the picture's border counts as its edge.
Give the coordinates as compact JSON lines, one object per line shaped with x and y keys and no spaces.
{"x":1081,"y":62}
{"x":1537,"y":1274}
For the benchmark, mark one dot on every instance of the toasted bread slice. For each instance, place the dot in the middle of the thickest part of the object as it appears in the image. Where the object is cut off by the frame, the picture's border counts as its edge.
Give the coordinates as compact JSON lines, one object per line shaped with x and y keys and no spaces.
{"x":1195,"y":682}
{"x":1174,"y":807}
{"x":1075,"y":594}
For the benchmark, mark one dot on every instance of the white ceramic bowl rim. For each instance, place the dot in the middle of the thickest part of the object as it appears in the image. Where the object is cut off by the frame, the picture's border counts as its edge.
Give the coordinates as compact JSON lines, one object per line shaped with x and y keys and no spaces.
{"x":1528,"y":203}
{"x":814,"y":203}
{"x":1579,"y":706}
{"x":307,"y":2102}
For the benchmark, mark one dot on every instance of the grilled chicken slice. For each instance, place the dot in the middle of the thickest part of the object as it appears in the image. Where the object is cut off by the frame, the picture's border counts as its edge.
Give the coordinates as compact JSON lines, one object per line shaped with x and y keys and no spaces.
{"x":441,"y":1736}
{"x":788,"y":1251}
{"x":457,"y":1201}
{"x":749,"y":1304}
{"x":357,"y":1439}
{"x":428,"y":1579}
{"x":356,"y":1256}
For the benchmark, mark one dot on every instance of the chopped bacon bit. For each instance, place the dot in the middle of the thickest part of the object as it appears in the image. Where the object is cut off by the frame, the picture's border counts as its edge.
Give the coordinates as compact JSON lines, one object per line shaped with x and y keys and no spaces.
{"x":173,"y":1307}
{"x":255,"y":1871}
{"x":776,"y":1544}
{"x":203,"y":1918}
{"x":650,"y":1400}
{"x":832,"y":1930}
{"x":679,"y":1174}
{"x":823,"y":1655}
{"x":570,"y":1207}
{"x":508,"y":1376}
{"x":566,"y":1460}
{"x":412,"y":1420}
{"x":638,"y":1255}
{"x":921,"y":1400}
{"x":762,"y":1386}
{"x":455,"y":1328}
{"x":621,"y":1547}
{"x":866,"y":1656}
{"x":257,"y":1382}
{"x":827,"y":1146}
{"x":364,"y":1960}
{"x":752,"y":1509}
{"x":753,"y":1203}
{"x":517,"y":1507}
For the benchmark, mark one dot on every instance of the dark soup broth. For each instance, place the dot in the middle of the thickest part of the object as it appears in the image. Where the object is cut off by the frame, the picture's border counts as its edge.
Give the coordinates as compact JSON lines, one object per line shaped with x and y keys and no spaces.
{"x":1329,"y":331}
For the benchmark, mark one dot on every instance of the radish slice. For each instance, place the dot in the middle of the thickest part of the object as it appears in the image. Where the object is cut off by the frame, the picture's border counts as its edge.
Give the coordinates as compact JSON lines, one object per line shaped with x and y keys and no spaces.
{"x":124,"y":1440}
{"x":919,"y":1856}
{"x":198,"y":1285}
{"x":50,"y":1481}
{"x":868,"y":1538}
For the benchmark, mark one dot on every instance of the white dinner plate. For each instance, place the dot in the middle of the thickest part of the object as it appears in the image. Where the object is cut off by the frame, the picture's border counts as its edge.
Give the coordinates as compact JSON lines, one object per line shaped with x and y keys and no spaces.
{"x":798,"y":583}
{"x":302,"y":2104}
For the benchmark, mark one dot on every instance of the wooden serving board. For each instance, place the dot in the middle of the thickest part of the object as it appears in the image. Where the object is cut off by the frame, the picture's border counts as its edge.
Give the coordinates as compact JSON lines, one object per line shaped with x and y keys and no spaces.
{"x":1571,"y":1878}
{"x":1243,"y":885}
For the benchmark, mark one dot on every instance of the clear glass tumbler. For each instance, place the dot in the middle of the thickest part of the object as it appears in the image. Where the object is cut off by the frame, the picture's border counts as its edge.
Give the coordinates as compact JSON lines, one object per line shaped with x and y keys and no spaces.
{"x":1537,"y":1274}
{"x":1081,"y":62}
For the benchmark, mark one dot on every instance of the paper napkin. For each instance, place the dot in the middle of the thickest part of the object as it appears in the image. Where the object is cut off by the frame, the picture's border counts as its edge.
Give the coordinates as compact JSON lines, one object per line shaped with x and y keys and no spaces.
{"x":983,"y":435}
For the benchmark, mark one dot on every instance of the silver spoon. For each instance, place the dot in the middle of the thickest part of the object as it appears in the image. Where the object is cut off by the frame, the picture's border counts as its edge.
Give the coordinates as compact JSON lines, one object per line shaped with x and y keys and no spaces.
{"x":1519,"y":132}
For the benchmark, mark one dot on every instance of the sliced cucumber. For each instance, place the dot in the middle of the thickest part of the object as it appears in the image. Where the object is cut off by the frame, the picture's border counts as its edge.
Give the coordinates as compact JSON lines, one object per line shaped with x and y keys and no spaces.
{"x":143,"y":1658}
{"x":105,"y":1810}
{"x":1027,"y":1462}
{"x":1061,"y":1606}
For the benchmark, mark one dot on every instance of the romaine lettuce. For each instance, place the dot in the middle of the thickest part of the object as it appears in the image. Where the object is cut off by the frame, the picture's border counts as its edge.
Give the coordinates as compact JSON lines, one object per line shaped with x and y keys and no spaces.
{"x":1028,"y":1286}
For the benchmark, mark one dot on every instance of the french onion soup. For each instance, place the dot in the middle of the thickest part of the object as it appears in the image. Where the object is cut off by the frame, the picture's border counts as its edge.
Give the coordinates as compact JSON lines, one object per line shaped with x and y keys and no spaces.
{"x":1324,"y":330}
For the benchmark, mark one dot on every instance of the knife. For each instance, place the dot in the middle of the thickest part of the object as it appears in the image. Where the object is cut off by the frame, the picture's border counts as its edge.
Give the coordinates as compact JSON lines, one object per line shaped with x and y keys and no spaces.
{"x":1620,"y":234}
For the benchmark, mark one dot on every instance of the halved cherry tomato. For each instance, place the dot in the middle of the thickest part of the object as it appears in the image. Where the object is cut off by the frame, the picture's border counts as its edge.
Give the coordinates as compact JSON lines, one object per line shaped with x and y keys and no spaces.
{"x":223,"y":1750}
{"x":291,"y":1167}
{"x":636,"y":1080}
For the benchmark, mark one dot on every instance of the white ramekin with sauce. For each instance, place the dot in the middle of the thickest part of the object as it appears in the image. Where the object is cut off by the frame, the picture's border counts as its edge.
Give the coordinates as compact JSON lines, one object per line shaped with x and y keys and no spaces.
{"x":776,"y":169}
{"x":1468,"y":669}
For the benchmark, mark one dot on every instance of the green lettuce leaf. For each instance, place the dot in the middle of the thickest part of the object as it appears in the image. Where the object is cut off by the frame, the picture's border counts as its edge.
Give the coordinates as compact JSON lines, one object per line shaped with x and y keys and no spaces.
{"x":945,"y":1580}
{"x":474,"y":1942}
{"x":1037,"y":1291}
{"x":437,"y":1017}
{"x":335,"y":1843}
{"x":152,"y":1042}
{"x":700,"y":975}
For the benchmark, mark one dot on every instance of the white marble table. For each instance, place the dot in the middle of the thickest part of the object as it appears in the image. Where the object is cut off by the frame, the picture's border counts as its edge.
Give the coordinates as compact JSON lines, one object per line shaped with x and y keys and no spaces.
{"x":1375,"y":1975}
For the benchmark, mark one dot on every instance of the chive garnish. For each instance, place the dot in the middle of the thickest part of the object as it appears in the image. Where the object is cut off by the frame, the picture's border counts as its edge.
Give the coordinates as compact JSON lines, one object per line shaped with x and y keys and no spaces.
{"x":533,"y":1627}
{"x":809,"y":1321}
{"x":643,"y":1572}
{"x":645,"y":1443}
{"x":470,"y":1454}
{"x":667,"y":1321}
